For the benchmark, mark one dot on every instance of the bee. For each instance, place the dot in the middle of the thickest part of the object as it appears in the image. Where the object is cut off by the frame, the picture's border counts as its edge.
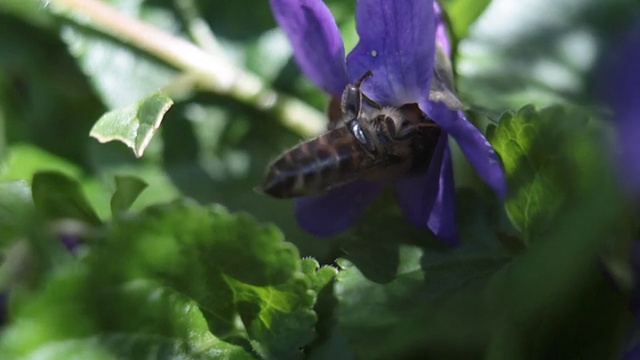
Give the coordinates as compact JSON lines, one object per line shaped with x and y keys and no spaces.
{"x":368,"y":141}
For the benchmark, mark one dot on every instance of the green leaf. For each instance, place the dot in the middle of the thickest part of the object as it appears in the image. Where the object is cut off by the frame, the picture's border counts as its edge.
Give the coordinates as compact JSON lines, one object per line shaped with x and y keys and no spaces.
{"x":557,"y":298}
{"x":541,"y":163}
{"x":25,"y":160}
{"x":462,"y":13}
{"x":134,"y":125}
{"x":374,"y":245}
{"x":16,"y":209}
{"x":369,"y":313}
{"x":128,"y":188}
{"x":256,"y":276}
{"x":418,"y":312}
{"x":175,"y":278}
{"x":59,"y":196}
{"x":138,"y":319}
{"x":320,"y":277}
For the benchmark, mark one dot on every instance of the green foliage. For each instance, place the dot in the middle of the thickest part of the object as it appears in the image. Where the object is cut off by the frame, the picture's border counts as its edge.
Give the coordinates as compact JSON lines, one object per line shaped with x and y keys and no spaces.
{"x":146,"y":285}
{"x":543,"y":163}
{"x":127,"y":190}
{"x":16,"y":208}
{"x":134,"y":125}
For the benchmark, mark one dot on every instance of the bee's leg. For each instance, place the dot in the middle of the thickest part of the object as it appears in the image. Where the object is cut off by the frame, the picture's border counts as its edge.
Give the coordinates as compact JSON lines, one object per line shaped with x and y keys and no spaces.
{"x":366,"y":99}
{"x":371,"y":103}
{"x":351,"y":102}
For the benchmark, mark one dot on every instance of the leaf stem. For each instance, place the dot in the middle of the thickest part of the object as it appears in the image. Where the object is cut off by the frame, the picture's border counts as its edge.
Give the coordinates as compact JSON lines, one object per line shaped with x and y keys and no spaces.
{"x":214,"y":73}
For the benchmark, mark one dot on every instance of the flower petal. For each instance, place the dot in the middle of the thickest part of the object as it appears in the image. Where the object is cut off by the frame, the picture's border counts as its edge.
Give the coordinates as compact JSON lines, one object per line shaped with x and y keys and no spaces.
{"x":474,"y":145}
{"x":441,"y":30}
{"x":428,"y":199}
{"x":316,"y":41}
{"x":337,"y":210}
{"x":618,"y":86}
{"x":442,"y":219}
{"x":416,"y":194}
{"x":397,"y":43}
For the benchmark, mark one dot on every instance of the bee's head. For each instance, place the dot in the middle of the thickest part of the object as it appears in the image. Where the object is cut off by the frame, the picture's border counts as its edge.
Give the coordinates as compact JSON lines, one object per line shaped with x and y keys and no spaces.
{"x":360,"y":129}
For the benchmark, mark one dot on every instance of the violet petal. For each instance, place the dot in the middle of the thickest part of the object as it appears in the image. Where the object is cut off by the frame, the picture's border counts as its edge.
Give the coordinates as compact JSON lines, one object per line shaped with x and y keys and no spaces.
{"x":474,"y":145}
{"x":618,"y":80}
{"x":417,"y":194}
{"x":442,"y":219}
{"x":397,"y":43}
{"x":337,"y":210}
{"x":316,"y":41}
{"x":441,"y":30}
{"x":411,"y":194}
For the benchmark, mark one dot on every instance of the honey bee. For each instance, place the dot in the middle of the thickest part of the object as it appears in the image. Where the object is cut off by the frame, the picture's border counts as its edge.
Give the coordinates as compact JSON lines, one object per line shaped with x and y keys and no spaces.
{"x":368,"y":141}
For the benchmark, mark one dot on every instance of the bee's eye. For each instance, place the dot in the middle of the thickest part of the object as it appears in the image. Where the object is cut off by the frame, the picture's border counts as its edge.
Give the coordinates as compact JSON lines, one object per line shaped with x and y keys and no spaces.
{"x":359,"y":133}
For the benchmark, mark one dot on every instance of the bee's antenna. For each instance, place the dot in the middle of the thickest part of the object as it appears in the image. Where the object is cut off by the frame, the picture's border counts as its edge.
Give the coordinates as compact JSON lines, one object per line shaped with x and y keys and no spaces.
{"x":366,"y":99}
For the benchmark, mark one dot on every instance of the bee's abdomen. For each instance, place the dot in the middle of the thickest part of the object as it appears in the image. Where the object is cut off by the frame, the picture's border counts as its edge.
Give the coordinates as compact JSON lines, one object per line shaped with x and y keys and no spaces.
{"x":315,"y":166}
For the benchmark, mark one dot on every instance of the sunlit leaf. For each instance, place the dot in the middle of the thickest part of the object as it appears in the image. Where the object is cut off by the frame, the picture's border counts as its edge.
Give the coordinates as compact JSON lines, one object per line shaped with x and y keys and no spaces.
{"x":542,"y":169}
{"x":256,"y":275}
{"x":134,"y":125}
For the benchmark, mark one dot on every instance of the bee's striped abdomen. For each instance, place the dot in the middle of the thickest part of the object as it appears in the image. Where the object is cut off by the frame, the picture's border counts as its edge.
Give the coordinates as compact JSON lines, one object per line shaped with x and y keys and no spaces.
{"x":316,"y":165}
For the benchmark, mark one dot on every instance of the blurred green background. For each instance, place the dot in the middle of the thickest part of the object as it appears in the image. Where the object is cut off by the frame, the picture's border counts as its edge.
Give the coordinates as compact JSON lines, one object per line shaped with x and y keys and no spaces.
{"x":548,"y":274}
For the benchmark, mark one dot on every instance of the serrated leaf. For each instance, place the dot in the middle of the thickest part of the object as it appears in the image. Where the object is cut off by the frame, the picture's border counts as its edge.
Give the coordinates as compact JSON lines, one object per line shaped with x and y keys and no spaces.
{"x":16,"y":208}
{"x":59,"y":196}
{"x":541,"y":165}
{"x":279,"y":319}
{"x":134,"y":125}
{"x":74,"y":315}
{"x":156,"y":273}
{"x":127,"y":190}
{"x":317,"y":275}
{"x":256,"y":276}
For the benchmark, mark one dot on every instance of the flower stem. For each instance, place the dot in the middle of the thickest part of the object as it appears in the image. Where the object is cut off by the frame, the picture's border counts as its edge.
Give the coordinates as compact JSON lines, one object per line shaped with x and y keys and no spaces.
{"x":214,"y":73}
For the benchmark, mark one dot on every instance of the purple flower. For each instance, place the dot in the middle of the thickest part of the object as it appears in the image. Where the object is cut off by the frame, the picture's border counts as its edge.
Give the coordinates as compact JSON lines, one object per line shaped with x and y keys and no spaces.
{"x":398,"y":45}
{"x":620,"y":87}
